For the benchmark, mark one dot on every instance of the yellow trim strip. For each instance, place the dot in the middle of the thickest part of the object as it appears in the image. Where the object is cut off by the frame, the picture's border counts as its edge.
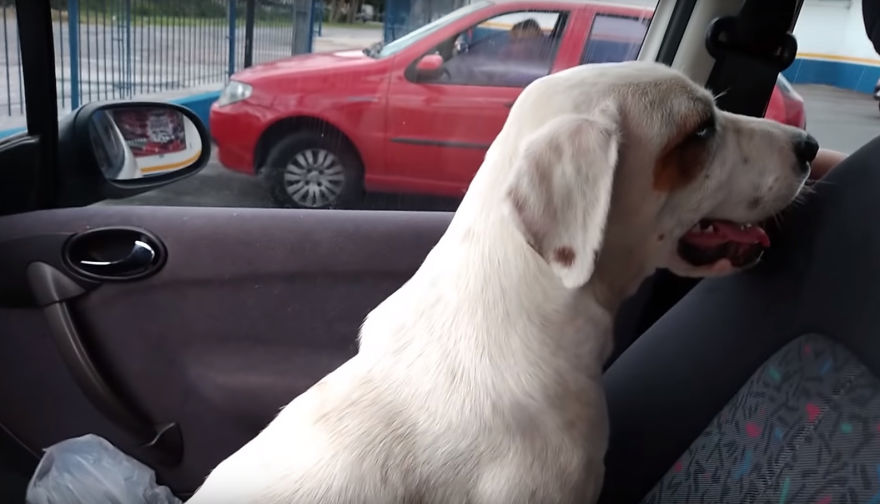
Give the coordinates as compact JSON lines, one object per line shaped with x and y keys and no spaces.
{"x":835,"y":57}
{"x":172,"y":166}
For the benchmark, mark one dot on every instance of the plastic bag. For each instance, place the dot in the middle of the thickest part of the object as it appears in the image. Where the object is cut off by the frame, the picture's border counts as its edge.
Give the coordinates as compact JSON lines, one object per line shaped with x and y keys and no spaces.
{"x":90,"y":470}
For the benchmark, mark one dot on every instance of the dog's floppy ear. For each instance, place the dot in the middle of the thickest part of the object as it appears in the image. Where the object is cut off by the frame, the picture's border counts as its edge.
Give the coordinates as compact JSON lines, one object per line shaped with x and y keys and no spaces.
{"x":560,"y":190}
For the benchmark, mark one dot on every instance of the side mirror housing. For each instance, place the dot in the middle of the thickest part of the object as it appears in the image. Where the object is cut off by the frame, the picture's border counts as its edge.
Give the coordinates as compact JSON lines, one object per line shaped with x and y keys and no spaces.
{"x":429,"y":67}
{"x":119,"y":149}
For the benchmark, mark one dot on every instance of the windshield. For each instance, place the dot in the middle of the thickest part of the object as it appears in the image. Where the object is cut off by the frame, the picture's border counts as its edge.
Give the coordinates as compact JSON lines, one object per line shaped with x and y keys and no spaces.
{"x":415,"y":35}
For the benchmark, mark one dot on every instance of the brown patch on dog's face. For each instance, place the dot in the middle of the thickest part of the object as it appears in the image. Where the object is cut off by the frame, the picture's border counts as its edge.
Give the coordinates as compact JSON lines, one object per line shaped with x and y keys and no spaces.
{"x":564,"y":256}
{"x":686,"y":155}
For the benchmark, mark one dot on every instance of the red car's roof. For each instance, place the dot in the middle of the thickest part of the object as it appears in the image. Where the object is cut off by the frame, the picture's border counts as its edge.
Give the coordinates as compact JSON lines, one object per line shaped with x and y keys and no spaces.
{"x":566,"y":4}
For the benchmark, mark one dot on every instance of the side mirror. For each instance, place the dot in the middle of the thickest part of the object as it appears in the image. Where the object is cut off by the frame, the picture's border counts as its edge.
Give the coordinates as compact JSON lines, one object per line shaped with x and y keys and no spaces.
{"x":429,"y":67}
{"x":115,"y":150}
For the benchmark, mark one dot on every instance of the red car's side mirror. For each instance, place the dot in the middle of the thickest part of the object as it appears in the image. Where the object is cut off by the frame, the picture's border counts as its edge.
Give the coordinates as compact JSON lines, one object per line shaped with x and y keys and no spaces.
{"x":429,"y":66}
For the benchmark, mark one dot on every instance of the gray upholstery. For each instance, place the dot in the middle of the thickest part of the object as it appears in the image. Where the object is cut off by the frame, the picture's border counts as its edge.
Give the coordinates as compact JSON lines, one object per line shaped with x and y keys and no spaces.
{"x":804,"y":428}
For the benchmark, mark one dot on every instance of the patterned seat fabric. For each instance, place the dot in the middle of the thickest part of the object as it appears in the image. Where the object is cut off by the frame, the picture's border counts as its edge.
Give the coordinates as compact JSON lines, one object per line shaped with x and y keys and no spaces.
{"x":804,"y":429}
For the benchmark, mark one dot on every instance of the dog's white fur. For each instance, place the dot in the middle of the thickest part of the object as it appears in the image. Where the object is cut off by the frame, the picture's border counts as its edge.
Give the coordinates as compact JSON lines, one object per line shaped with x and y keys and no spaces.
{"x":479,"y":380}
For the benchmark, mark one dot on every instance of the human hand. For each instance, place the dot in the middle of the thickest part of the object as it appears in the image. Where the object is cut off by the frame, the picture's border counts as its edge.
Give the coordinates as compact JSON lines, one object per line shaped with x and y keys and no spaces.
{"x":825,"y":161}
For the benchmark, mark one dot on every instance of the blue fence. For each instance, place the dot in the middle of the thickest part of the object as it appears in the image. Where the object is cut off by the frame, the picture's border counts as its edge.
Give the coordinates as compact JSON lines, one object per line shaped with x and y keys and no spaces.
{"x":122,"y":49}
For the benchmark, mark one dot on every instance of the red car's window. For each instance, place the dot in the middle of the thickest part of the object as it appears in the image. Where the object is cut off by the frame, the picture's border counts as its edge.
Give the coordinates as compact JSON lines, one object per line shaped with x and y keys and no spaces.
{"x":615,"y":38}
{"x":511,"y":49}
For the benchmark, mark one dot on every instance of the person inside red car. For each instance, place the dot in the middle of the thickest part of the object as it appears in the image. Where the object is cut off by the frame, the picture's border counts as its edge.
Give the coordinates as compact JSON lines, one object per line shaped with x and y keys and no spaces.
{"x":526,"y":54}
{"x":526,"y":42}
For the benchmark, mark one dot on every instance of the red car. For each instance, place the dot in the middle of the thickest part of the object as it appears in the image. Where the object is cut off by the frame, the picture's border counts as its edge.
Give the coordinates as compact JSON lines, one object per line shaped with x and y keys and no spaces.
{"x":416,"y":115}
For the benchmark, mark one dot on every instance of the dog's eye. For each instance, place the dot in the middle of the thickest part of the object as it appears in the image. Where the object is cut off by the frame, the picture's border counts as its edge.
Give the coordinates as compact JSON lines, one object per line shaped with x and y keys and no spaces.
{"x":705,"y":130}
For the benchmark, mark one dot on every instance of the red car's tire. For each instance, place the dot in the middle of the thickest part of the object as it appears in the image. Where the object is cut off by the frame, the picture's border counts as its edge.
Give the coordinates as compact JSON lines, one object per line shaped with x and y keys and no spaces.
{"x":313,"y":170}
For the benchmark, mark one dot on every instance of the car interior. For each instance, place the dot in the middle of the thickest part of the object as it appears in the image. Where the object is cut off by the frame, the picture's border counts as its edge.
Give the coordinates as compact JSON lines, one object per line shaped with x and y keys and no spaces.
{"x":759,"y":387}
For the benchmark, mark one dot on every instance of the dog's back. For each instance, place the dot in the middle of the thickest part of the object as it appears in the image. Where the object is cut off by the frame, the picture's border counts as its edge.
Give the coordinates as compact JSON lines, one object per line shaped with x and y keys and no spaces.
{"x":353,"y":439}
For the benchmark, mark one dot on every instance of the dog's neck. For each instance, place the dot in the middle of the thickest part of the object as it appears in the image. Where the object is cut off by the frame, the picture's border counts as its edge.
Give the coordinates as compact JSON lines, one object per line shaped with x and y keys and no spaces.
{"x":482,"y":279}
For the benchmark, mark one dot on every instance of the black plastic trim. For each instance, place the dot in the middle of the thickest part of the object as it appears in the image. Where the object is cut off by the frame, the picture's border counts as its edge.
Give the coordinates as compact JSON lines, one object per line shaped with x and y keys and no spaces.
{"x":440,"y":143}
{"x":38,"y":58}
{"x":678,"y":22}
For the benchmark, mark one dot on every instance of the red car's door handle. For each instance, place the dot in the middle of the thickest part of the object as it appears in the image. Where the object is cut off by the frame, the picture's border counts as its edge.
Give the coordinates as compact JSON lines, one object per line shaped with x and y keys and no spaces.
{"x":509,"y":104}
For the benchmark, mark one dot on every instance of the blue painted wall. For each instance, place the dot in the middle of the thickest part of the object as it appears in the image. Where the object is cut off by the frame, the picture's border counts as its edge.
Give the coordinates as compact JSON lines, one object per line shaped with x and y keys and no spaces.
{"x":838,"y":73}
{"x":200,"y":104}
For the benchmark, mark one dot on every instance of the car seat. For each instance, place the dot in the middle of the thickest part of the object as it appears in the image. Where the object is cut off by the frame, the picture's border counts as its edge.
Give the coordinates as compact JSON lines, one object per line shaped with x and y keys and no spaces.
{"x":763,"y":386}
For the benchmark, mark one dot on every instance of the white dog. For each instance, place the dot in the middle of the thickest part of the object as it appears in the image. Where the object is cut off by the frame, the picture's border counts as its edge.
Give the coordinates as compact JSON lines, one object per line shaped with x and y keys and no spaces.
{"x":479,"y":380}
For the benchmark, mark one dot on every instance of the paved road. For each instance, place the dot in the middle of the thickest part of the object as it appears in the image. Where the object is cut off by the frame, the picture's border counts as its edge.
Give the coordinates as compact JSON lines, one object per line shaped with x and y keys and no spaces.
{"x":219,"y":187}
{"x":839,"y":119}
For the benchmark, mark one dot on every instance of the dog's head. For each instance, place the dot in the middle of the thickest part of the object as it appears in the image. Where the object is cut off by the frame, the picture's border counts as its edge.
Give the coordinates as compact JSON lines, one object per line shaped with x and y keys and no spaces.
{"x":624,"y":168}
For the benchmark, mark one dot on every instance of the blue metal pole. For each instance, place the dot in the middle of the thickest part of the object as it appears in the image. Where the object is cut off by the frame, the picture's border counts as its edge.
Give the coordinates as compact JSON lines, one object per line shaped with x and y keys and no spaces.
{"x":231,"y":69}
{"x":73,"y":43}
{"x":129,"y":69}
{"x":311,"y":24}
{"x":318,"y":15}
{"x":60,"y":53}
{"x":6,"y":51}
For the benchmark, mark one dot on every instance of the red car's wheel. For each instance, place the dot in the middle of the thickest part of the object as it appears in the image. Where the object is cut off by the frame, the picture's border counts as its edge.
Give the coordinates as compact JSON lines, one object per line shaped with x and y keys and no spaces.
{"x":309,"y":170}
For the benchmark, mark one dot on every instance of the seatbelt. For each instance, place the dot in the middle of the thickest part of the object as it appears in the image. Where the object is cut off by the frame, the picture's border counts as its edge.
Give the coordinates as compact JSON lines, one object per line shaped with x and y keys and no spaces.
{"x":750,"y":49}
{"x":871,"y":16}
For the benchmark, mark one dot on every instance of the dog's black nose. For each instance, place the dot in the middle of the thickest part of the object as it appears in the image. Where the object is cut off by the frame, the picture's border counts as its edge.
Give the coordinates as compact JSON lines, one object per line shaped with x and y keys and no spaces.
{"x":805,"y":148}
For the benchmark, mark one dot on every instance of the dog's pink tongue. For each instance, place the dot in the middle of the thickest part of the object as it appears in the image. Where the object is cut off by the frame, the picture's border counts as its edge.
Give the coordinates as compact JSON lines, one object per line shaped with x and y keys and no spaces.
{"x":735,"y":233}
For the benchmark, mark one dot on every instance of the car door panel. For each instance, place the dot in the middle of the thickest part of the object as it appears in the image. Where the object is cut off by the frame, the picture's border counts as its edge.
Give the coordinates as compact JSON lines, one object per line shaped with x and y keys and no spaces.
{"x":250,"y":309}
{"x":439,"y":133}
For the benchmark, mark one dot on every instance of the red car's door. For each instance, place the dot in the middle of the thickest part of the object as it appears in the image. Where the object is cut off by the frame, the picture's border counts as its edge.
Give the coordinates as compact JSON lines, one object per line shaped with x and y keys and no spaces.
{"x":440,"y":125}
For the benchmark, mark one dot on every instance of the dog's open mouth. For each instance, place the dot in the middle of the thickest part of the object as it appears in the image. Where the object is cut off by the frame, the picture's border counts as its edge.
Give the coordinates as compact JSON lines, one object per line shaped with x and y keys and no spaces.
{"x":711,"y":240}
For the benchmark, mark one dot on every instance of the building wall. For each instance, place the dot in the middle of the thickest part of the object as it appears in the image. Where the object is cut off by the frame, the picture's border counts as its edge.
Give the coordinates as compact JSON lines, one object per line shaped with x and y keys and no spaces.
{"x":833,"y":48}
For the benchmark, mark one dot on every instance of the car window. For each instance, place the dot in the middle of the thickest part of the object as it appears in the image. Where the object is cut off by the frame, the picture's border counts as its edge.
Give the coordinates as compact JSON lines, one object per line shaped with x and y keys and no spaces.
{"x":511,"y":49}
{"x":615,"y":38}
{"x":316,"y":104}
{"x":830,"y":85}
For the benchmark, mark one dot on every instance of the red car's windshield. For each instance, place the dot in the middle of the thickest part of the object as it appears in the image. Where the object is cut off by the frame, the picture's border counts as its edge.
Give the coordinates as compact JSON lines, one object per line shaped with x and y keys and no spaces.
{"x":380,"y":51}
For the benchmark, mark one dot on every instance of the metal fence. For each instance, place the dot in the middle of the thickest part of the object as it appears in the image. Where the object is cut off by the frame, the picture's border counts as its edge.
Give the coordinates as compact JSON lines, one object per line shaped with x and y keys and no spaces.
{"x":122,"y":49}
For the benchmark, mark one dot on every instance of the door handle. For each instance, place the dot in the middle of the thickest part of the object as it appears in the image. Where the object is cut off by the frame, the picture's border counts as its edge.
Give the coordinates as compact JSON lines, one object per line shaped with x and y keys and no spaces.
{"x":140,"y":256}
{"x":116,"y":253}
{"x":509,"y":104}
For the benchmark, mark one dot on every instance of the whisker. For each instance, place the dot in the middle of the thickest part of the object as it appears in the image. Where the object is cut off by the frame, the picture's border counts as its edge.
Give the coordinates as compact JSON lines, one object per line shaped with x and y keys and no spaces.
{"x":777,"y":219}
{"x":807,"y":190}
{"x":821,"y":181}
{"x":719,"y":95}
